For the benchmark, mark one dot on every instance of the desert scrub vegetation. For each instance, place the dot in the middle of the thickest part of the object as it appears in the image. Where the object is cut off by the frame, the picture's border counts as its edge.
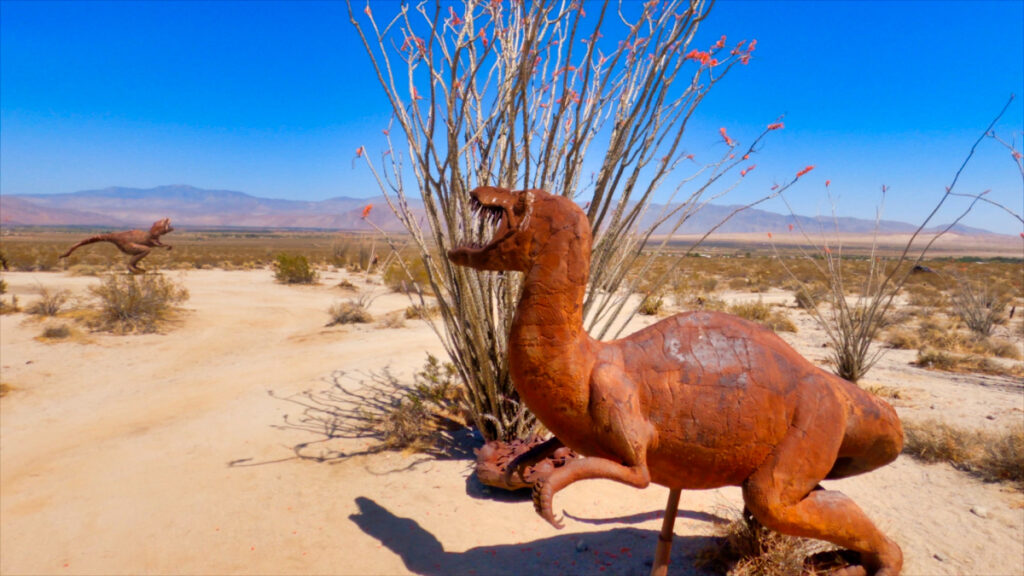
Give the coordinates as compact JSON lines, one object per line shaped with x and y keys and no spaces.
{"x":135,"y":303}
{"x":980,"y":304}
{"x":352,"y":311}
{"x":294,"y":269}
{"x":966,"y":363}
{"x":745,"y":547}
{"x":49,"y":303}
{"x":56,"y":332}
{"x":758,"y":311}
{"x":384,"y":410}
{"x":989,"y":455}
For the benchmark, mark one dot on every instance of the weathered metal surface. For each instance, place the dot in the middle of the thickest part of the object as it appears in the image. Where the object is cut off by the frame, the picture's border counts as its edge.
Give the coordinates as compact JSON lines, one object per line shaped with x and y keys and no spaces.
{"x":698,"y":400}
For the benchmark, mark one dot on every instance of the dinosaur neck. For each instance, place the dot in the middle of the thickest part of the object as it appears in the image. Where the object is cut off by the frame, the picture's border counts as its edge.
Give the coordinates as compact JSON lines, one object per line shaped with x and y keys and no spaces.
{"x":549,"y":349}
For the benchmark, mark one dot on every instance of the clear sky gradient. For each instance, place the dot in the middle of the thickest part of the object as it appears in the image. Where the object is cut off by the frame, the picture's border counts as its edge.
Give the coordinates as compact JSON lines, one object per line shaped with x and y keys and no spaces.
{"x":273,"y":99}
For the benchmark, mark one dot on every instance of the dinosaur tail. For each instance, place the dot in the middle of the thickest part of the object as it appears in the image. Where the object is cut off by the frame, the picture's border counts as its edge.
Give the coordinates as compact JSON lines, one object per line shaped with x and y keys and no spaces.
{"x":90,"y":240}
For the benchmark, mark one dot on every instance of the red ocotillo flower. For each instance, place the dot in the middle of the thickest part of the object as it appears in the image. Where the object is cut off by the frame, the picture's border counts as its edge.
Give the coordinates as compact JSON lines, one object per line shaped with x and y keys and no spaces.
{"x":827,"y":182}
{"x":790,"y":227}
{"x":776,"y":126}
{"x":805,"y":171}
{"x":747,"y":170}
{"x":729,"y":141}
{"x":366,"y":211}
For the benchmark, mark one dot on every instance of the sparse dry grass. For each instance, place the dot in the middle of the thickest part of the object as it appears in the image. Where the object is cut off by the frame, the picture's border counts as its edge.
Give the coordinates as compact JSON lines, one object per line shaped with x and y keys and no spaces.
{"x":763,"y":314}
{"x":992,"y":456}
{"x":746,"y":548}
{"x":966,"y":363}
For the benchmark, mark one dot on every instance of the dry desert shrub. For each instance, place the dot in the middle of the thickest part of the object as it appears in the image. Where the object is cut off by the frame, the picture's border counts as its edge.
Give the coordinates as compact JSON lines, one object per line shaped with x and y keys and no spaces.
{"x":746,"y":548}
{"x":763,"y":314}
{"x":652,"y":305}
{"x":421,"y":311}
{"x":294,"y":269}
{"x":129,"y":303}
{"x":992,"y":456}
{"x":902,"y":338}
{"x":981,"y":305}
{"x":56,"y":332}
{"x":49,"y":302}
{"x":351,"y":312}
{"x":407,"y":276}
{"x":395,"y":415}
{"x":392,"y":321}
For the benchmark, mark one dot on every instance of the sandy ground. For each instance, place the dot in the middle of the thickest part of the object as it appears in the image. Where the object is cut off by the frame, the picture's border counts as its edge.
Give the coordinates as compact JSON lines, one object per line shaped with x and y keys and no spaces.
{"x":164,"y":454}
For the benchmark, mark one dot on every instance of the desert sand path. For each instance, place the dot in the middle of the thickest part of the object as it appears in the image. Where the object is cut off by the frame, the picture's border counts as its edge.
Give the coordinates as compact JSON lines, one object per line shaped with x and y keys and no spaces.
{"x":115,"y":458}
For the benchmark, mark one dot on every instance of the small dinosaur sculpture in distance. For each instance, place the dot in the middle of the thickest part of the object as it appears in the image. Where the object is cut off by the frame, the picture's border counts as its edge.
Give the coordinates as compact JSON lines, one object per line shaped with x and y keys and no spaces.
{"x":698,"y":400}
{"x":135,"y":243}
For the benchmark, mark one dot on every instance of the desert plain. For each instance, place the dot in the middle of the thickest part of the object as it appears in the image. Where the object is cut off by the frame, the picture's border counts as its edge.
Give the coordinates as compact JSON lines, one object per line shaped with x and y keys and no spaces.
{"x":168,"y":453}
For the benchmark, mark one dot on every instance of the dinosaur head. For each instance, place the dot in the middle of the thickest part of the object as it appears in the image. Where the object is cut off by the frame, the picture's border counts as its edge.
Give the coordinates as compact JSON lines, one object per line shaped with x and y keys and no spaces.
{"x":161,"y":227}
{"x":524,"y":224}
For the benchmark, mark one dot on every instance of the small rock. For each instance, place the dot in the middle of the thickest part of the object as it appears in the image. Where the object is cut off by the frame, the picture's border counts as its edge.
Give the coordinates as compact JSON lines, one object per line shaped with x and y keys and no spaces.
{"x":979,"y":511}
{"x":991,"y":417}
{"x":939,"y":557}
{"x":581,"y":546}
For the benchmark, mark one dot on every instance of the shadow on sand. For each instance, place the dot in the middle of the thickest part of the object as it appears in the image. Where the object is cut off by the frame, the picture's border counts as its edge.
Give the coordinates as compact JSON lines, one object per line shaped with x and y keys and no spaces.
{"x":625,"y":551}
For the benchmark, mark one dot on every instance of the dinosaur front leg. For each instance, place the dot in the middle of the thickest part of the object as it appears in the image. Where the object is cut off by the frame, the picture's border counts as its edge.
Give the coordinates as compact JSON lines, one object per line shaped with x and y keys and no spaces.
{"x":620,"y":430}
{"x":544,"y":490}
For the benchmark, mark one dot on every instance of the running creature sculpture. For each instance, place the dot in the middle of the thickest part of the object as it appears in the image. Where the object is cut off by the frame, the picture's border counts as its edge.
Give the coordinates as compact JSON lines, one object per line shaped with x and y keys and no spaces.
{"x":698,"y":400}
{"x":136,"y":243}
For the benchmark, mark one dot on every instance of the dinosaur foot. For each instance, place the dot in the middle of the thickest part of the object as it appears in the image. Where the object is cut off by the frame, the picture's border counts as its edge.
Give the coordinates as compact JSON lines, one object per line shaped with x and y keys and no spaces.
{"x":543,"y":496}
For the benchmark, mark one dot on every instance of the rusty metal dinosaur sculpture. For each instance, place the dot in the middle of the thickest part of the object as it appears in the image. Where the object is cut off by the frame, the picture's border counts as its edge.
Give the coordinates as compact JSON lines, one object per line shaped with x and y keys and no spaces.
{"x":698,"y":400}
{"x":135,"y":243}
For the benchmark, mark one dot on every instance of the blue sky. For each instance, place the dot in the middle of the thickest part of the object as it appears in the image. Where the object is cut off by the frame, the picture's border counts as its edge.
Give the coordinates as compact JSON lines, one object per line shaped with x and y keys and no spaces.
{"x":274,"y":98}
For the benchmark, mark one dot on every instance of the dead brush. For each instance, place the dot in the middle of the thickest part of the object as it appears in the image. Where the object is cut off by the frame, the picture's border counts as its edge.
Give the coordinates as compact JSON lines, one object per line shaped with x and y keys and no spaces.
{"x":49,"y":303}
{"x":382,"y":413}
{"x":350,"y":312}
{"x":135,"y":303}
{"x":746,"y":548}
{"x":991,"y":456}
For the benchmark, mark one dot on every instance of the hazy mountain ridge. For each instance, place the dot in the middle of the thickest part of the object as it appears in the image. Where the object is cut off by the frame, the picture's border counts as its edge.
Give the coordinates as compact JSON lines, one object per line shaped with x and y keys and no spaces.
{"x":197,"y":207}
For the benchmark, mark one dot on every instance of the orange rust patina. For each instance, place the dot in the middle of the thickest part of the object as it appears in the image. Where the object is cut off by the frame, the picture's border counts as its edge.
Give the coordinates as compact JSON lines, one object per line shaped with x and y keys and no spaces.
{"x":698,"y":400}
{"x":135,"y":243}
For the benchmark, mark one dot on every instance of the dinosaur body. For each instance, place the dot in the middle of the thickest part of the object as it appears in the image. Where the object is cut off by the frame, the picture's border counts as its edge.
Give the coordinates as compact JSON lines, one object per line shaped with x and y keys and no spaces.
{"x":135,"y":243}
{"x":698,"y":400}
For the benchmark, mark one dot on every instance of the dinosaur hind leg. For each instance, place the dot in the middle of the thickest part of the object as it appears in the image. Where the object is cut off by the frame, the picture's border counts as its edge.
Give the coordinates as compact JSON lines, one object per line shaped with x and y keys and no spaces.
{"x":783,"y":494}
{"x":133,"y":262}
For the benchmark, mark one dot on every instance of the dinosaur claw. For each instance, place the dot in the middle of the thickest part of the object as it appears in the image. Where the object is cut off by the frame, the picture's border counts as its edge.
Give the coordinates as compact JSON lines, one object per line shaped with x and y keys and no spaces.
{"x":542,"y":498}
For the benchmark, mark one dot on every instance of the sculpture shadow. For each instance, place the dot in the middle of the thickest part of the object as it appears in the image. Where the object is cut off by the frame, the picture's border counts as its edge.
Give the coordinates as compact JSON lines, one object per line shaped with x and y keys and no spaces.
{"x":624,"y":551}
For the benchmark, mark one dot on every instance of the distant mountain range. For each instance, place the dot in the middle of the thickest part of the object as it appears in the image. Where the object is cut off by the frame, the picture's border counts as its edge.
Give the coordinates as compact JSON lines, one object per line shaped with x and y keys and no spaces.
{"x":188,"y":206}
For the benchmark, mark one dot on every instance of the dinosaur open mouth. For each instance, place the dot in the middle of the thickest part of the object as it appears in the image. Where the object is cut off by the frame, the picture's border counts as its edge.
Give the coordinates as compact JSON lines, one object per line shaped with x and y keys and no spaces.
{"x":489,"y":218}
{"x":496,"y":217}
